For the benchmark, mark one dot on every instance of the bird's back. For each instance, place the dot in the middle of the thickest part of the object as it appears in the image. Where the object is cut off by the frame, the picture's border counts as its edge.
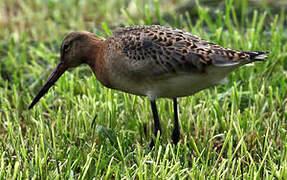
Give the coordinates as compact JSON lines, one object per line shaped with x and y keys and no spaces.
{"x":161,"y":58}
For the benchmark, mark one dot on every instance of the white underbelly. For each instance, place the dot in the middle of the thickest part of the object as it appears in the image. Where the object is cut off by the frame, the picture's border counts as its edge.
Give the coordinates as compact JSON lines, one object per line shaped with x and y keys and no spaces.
{"x":180,"y":86}
{"x":171,"y":86}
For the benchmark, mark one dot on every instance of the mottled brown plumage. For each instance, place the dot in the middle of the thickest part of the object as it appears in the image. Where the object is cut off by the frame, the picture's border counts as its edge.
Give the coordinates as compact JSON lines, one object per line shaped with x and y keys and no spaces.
{"x":159,"y":61}
{"x":153,"y":61}
{"x":174,"y":50}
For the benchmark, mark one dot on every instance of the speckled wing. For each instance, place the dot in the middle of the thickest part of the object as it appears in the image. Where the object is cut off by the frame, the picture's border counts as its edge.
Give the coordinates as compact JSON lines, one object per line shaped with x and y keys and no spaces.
{"x":168,"y":50}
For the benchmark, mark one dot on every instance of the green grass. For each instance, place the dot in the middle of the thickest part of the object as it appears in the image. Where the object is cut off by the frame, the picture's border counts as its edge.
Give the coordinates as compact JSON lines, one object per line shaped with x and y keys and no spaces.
{"x":237,"y":130}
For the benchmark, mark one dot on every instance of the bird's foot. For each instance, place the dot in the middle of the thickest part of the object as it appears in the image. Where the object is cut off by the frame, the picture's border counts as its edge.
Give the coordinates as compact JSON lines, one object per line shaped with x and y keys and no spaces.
{"x":175,"y":136}
{"x":152,"y":144}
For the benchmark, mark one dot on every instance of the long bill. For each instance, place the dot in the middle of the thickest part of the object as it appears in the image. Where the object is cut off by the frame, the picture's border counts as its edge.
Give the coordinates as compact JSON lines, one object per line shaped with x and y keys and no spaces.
{"x":57,"y":73}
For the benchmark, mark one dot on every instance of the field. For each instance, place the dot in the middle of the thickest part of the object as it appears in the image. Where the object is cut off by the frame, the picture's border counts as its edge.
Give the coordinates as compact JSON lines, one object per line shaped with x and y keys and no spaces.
{"x":232,"y":131}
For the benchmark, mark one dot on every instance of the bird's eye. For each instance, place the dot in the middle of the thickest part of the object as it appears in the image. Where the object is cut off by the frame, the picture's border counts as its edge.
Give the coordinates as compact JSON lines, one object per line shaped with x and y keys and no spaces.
{"x":66,"y":47}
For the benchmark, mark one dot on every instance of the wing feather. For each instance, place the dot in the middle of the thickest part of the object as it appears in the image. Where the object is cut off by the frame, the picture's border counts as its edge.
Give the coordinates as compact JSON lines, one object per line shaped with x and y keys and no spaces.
{"x":168,"y":50}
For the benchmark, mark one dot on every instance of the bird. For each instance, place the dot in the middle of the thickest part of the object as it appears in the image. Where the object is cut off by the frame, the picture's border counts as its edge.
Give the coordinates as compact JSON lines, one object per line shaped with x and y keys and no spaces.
{"x":153,"y":61}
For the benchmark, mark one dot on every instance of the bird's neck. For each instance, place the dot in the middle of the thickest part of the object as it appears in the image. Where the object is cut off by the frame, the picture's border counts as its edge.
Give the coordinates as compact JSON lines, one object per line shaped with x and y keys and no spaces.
{"x":98,"y":63}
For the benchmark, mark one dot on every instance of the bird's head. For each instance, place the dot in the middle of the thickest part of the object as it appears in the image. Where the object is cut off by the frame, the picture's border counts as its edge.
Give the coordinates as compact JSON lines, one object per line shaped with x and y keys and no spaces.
{"x":79,"y":47}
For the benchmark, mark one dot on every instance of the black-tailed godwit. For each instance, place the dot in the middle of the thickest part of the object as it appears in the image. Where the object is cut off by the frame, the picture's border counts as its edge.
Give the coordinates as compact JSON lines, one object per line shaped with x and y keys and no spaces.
{"x":152,"y":61}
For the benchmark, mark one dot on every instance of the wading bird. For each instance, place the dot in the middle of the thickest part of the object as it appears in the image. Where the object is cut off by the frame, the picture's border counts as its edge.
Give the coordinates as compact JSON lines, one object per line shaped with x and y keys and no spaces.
{"x":152,"y":61}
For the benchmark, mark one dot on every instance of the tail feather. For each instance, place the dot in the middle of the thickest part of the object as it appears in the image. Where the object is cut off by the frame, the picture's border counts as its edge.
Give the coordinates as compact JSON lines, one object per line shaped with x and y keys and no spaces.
{"x":225,"y":61}
{"x":257,"y":55}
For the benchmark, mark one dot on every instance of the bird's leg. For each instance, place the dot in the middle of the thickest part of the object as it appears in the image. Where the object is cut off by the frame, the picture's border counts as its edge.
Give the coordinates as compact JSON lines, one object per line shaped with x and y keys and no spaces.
{"x":157,"y":127}
{"x":176,"y":129}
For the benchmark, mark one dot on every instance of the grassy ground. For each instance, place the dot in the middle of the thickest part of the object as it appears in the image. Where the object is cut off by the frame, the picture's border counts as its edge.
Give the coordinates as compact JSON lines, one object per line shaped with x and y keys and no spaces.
{"x":233,"y":131}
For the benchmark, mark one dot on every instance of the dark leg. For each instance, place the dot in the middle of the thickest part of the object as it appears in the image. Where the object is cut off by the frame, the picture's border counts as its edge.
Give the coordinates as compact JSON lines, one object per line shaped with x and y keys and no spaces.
{"x":176,"y":130}
{"x":157,"y":127}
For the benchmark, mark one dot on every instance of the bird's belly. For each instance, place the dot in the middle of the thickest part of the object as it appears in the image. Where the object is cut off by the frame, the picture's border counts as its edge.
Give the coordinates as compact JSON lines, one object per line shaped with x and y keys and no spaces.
{"x":181,"y":86}
{"x":170,"y":86}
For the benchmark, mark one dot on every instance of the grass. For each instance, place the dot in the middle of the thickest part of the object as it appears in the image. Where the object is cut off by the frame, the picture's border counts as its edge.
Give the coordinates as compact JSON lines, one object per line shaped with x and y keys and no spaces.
{"x":234,"y":131}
